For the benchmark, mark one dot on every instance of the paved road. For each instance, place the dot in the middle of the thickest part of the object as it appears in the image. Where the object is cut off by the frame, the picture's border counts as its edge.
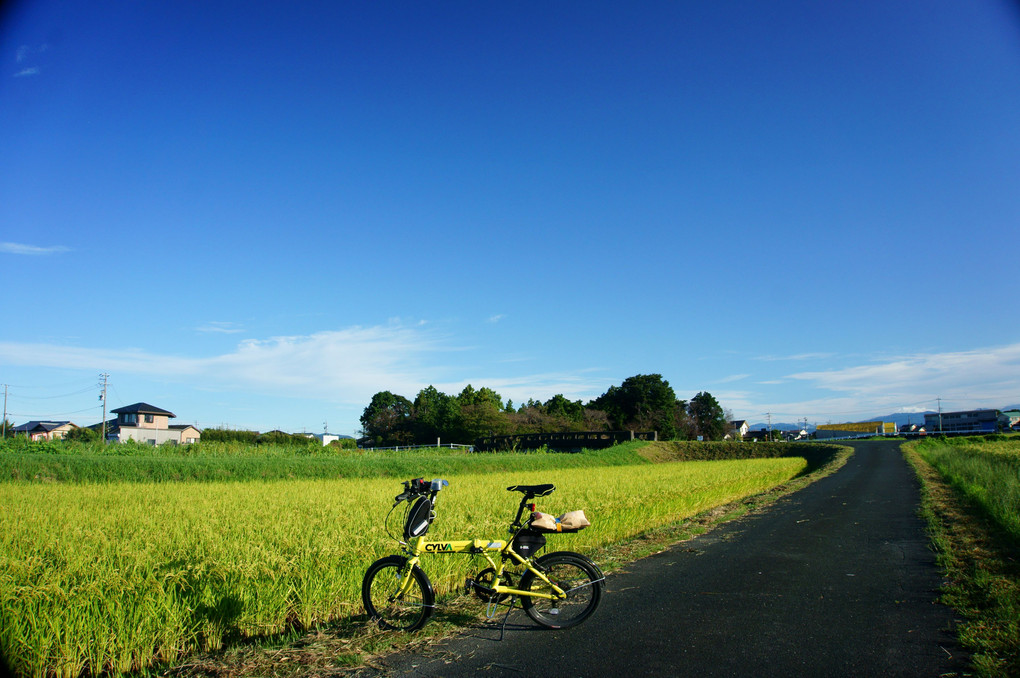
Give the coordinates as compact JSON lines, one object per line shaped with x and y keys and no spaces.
{"x":835,"y":580}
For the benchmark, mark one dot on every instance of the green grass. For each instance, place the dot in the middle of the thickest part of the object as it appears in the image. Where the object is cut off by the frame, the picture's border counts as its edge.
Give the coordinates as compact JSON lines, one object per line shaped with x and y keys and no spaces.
{"x":87,"y":467}
{"x":986,"y":472}
{"x":61,"y":462}
{"x":119,"y":576}
{"x":970,"y":503}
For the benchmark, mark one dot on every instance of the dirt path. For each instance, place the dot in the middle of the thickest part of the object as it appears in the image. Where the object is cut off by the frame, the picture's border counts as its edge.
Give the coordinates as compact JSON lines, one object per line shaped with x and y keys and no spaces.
{"x":834,"y":580}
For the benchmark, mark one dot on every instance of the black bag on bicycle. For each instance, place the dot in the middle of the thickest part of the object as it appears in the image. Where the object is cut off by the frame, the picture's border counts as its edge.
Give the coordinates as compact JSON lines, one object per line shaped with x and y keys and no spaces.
{"x":528,"y":542}
{"x":419,"y":517}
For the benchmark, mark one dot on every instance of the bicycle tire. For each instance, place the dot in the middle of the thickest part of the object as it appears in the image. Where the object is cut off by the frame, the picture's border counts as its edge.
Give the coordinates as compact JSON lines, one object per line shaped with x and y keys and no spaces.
{"x":378,"y":593}
{"x":575,"y":574}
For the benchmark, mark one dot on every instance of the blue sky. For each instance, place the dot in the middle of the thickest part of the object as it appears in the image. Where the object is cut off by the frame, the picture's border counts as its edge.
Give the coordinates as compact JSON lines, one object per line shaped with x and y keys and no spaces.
{"x":258,"y":216}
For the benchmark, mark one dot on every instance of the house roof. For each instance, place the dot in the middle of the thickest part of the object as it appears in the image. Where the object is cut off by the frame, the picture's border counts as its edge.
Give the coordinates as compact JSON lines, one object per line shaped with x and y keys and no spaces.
{"x":34,"y":426}
{"x":142,"y":408}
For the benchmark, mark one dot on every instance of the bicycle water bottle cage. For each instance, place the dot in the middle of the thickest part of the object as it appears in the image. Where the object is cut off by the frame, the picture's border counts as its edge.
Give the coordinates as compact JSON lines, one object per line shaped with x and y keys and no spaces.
{"x":419,"y":517}
{"x":533,"y":490}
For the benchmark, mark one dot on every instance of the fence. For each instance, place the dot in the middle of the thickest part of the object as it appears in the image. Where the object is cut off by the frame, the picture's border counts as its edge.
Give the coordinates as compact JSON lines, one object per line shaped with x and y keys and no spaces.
{"x":571,"y":440}
{"x":451,"y":446}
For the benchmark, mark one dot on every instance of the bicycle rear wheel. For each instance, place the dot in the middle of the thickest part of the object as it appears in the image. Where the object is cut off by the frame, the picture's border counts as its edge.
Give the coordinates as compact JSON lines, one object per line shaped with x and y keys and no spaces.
{"x":384,"y":604}
{"x":577,"y":576}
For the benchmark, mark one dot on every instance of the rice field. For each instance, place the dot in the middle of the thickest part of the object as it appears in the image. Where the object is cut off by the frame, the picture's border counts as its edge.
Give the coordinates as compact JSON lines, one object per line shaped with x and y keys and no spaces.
{"x":117,"y":577}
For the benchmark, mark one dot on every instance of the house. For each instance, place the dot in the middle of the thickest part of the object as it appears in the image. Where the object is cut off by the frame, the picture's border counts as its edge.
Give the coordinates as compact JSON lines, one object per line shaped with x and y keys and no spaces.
{"x":149,"y":424}
{"x":45,"y":430}
{"x":796,"y":434}
{"x":755,"y":436}
{"x":738,"y":429}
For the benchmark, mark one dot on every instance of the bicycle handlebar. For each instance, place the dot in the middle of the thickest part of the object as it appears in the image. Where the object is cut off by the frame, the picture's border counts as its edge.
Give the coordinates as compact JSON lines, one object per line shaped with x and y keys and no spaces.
{"x":418,"y":487}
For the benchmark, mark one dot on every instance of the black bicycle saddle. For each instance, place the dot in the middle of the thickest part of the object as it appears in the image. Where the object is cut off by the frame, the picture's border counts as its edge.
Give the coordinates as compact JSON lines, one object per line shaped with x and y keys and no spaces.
{"x":533,"y":490}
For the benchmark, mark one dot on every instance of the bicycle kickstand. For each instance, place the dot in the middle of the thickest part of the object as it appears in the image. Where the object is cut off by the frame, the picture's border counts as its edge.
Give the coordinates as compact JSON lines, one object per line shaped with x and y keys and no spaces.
{"x":490,"y":613}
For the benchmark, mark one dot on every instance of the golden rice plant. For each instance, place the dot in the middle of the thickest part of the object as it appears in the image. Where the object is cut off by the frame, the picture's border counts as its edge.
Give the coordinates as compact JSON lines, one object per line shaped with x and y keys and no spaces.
{"x":117,"y":577}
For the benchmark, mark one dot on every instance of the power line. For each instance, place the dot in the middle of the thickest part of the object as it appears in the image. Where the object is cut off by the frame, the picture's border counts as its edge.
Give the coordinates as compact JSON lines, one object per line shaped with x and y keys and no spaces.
{"x":54,"y":397}
{"x":49,"y":415}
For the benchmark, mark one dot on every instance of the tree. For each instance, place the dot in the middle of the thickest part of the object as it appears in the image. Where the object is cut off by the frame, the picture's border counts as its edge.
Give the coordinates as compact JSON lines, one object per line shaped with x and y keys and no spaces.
{"x":82,"y":434}
{"x":434,"y":415}
{"x":386,"y":419}
{"x":644,"y":401}
{"x":481,"y":413}
{"x":559,"y":407}
{"x":707,"y":416}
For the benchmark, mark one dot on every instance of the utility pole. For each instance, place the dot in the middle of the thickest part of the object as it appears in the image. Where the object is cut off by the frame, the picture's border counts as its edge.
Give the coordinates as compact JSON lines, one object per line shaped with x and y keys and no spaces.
{"x":5,"y":413}
{"x":102,"y":396}
{"x":940,"y":413}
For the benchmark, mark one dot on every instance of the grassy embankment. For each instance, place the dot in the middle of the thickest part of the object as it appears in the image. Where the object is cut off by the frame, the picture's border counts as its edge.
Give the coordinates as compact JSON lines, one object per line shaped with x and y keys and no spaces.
{"x":102,"y":574}
{"x":972,"y":504}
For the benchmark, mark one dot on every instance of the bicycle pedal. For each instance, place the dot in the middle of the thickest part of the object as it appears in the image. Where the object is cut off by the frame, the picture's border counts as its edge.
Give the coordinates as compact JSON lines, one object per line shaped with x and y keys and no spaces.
{"x":469,"y":585}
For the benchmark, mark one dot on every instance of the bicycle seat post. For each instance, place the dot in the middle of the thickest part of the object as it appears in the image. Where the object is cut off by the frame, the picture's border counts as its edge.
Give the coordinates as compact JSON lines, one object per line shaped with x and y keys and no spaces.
{"x":516,"y":525}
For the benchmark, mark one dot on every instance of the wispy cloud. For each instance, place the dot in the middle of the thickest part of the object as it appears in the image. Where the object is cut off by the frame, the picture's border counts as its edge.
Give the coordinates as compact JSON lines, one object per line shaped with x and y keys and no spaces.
{"x":992,"y":372}
{"x":25,"y":53}
{"x":581,"y":385}
{"x":220,"y":327}
{"x":343,"y":366}
{"x":496,"y":318}
{"x":31,"y":250}
{"x":796,"y":356}
{"x":732,"y":378}
{"x":986,"y":377}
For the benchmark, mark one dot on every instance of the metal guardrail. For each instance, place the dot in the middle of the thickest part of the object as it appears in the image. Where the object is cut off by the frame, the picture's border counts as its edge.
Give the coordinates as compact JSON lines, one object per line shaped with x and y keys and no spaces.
{"x":451,"y":446}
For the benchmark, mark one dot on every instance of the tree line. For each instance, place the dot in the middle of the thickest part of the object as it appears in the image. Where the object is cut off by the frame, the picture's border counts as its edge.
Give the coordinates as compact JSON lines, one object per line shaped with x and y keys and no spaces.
{"x":644,"y":402}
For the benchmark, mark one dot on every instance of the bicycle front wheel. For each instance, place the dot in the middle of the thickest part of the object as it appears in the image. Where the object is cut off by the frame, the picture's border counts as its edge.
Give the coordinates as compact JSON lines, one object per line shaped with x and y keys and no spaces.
{"x":575,"y":575}
{"x":380,"y":593}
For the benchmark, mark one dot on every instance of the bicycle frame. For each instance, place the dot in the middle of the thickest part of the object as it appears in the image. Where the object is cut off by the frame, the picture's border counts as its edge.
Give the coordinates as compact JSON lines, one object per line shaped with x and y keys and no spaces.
{"x":478,"y":547}
{"x":397,"y":592}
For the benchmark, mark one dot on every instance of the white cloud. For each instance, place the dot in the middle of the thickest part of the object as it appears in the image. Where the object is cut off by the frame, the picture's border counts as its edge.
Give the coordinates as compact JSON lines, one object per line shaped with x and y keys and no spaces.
{"x":32,"y":250}
{"x":341,"y":366}
{"x":987,"y":377}
{"x":25,"y":72}
{"x":573,"y":386}
{"x":496,"y":318}
{"x":990,"y":372}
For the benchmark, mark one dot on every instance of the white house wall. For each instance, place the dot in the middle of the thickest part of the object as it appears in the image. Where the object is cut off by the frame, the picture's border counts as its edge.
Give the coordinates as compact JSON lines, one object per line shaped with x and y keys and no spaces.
{"x":149,"y":435}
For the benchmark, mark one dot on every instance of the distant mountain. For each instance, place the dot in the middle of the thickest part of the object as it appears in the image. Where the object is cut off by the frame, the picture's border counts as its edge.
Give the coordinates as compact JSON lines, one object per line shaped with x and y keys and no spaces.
{"x":902,"y":418}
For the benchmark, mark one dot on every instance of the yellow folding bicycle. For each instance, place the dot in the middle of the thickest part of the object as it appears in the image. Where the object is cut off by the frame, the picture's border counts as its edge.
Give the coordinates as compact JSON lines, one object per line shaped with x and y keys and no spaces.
{"x":557,"y":590}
